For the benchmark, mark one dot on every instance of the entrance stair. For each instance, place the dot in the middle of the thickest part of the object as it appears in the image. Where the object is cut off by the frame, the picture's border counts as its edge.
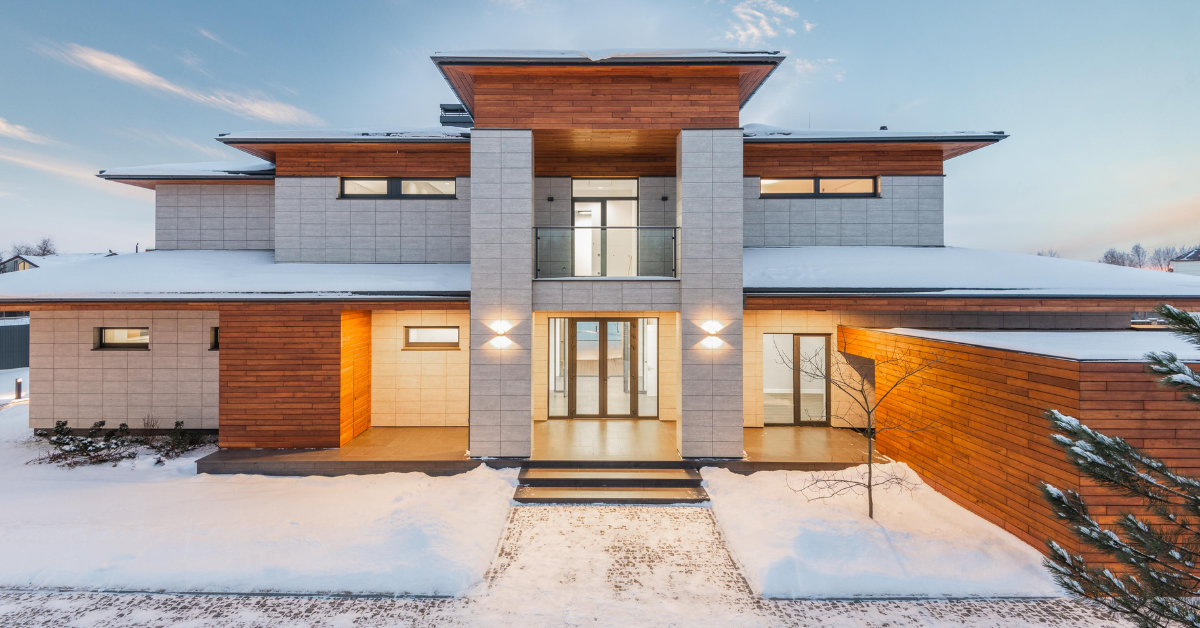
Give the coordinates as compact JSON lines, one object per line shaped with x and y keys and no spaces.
{"x":610,"y":482}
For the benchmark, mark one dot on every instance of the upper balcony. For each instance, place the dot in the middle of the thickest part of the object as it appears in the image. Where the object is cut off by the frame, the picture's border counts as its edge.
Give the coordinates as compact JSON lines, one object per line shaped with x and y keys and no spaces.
{"x":561,"y":252}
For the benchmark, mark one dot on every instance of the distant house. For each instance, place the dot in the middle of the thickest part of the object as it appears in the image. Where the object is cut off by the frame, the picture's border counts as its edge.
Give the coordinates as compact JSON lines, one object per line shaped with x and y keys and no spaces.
{"x":26,"y":262}
{"x":1188,"y":263}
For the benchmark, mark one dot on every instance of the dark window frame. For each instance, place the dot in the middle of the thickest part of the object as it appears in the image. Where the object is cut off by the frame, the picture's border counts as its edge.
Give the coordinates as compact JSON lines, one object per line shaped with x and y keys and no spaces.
{"x":817,"y":188}
{"x":394,"y":185}
{"x":408,"y":345}
{"x":98,"y":343}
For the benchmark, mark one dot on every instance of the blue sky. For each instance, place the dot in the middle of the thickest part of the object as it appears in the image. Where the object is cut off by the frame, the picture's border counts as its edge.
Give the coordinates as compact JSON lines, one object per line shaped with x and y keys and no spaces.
{"x":1100,"y":97}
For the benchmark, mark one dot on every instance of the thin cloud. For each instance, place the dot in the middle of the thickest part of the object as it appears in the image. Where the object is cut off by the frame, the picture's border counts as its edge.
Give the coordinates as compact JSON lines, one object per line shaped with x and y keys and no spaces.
{"x":77,"y":173}
{"x":809,"y":26}
{"x":208,"y":35}
{"x":194,"y":62}
{"x":18,"y":132}
{"x":122,"y":69}
{"x":512,"y":4}
{"x":173,"y":140}
{"x":755,"y":21}
{"x":812,"y":67}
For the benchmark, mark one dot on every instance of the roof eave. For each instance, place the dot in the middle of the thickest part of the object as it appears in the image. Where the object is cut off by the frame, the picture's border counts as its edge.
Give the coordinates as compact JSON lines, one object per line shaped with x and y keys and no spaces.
{"x":234,"y":141}
{"x":982,"y":139}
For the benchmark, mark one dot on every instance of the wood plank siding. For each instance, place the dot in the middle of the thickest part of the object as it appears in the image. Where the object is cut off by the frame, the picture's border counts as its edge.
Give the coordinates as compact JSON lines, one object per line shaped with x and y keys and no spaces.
{"x":280,"y":376}
{"x":989,"y":447}
{"x":355,"y":401}
{"x":778,"y":160}
{"x":607,"y":97}
{"x":361,"y":159}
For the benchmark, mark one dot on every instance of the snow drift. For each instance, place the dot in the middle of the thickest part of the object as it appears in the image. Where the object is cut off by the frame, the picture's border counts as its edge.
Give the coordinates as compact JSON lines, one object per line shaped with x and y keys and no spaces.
{"x":920,"y":543}
{"x":141,"y":527}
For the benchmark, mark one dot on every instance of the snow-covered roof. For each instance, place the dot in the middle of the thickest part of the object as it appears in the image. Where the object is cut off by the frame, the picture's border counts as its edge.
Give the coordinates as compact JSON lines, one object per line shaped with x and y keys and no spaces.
{"x":14,"y":322}
{"x":948,"y":271}
{"x":45,"y":261}
{"x":1102,"y":346}
{"x":362,"y":134}
{"x":609,"y":55}
{"x":1191,"y":256}
{"x":245,"y":169}
{"x":755,"y":132}
{"x":236,"y":275}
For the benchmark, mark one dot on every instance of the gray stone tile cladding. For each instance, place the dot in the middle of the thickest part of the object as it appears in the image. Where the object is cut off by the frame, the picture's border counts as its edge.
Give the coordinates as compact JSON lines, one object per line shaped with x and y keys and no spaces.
{"x":709,"y":192}
{"x":214,"y":217}
{"x":908,"y":212}
{"x":501,"y":224}
{"x":314,"y":225}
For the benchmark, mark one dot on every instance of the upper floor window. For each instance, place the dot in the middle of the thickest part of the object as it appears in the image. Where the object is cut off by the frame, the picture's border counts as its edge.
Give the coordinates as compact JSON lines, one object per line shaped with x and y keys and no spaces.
{"x":123,"y":338}
{"x":392,"y":187}
{"x":835,"y":187}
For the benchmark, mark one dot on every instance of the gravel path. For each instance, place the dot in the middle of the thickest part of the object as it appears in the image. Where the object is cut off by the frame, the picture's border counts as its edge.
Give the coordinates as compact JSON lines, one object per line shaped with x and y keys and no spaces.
{"x":594,"y":566}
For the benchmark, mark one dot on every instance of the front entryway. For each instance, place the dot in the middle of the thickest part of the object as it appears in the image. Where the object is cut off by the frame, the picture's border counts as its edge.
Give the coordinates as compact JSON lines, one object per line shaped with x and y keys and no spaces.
{"x":603,"y":368}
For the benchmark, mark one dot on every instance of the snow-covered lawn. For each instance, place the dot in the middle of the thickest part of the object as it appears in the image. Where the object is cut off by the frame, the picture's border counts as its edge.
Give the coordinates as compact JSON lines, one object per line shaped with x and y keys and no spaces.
{"x":920,"y":543}
{"x":8,"y":380}
{"x":142,"y":527}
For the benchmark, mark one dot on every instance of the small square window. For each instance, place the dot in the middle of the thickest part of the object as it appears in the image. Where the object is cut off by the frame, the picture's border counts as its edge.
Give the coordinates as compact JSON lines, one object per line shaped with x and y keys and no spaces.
{"x":431,"y":338}
{"x":121,"y":338}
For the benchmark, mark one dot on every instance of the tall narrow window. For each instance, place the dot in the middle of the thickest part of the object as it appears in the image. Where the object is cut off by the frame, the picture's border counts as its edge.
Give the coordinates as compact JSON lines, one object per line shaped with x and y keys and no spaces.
{"x":647,"y":367}
{"x":556,"y":385}
{"x":214,"y":343}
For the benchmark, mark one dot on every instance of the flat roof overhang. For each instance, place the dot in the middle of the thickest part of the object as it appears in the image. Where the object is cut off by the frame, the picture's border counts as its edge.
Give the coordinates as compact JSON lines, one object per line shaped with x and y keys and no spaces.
{"x":151,"y":182}
{"x":755,"y":66}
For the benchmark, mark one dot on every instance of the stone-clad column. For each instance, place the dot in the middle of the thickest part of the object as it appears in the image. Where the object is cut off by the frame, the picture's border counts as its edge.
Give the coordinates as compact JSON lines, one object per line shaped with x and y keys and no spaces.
{"x":501,"y":290}
{"x":709,"y":212}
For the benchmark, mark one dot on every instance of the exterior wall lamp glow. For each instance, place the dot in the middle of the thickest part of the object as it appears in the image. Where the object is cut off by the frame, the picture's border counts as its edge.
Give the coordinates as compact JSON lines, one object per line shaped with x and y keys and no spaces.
{"x":711,"y":327}
{"x":501,"y":341}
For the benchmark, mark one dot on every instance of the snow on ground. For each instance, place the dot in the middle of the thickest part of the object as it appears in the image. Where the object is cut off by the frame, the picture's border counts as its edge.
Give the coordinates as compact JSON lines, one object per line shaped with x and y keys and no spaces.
{"x":595,"y":566}
{"x":141,"y":527}
{"x":920,"y":543}
{"x":8,"y":381}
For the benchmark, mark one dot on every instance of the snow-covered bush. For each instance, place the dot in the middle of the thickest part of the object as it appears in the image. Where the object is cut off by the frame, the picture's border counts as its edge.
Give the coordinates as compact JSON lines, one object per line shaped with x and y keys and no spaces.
{"x":111,"y":446}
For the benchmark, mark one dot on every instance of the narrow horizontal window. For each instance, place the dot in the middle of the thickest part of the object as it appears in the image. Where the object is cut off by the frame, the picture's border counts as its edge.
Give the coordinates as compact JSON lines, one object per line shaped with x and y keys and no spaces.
{"x":430,"y":337}
{"x":435,"y":187}
{"x":364,"y":187}
{"x":818,"y":187}
{"x":786,"y":186}
{"x":125,"y":338}
{"x":394,"y":187}
{"x":848,"y":186}
{"x":604,"y":188}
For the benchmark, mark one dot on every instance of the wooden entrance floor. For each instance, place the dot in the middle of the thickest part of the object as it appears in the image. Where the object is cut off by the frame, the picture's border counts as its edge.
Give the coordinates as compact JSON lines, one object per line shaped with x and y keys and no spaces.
{"x":606,"y":442}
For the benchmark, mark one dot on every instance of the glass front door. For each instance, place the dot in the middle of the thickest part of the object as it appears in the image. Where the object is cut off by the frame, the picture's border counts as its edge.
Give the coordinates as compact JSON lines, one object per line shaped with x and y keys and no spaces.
{"x":604,"y":371}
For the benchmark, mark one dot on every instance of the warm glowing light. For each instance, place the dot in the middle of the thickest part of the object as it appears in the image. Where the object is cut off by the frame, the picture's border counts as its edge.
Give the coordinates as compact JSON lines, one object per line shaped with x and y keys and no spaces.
{"x":711,"y":327}
{"x":501,"y":327}
{"x":712,"y":342}
{"x":500,"y":342}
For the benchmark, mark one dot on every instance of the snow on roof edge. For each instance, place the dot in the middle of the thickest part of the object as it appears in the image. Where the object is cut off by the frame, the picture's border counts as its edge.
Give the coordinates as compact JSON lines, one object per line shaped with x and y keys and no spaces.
{"x":357,"y":134}
{"x":604,"y":54}
{"x":204,"y":169}
{"x":755,"y":131}
{"x":1078,"y":345}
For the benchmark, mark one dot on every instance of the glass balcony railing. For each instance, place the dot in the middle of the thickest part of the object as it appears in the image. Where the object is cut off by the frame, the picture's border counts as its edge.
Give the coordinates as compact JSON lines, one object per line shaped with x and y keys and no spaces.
{"x":605,"y":252}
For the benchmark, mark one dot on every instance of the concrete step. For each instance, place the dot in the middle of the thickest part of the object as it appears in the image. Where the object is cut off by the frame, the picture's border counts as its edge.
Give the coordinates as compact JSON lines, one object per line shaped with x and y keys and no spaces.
{"x":631,"y":478}
{"x":609,"y":464}
{"x":609,"y":495}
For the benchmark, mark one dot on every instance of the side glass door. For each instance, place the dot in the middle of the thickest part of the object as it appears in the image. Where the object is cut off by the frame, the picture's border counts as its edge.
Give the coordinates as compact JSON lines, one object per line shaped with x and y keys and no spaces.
{"x":588,"y":255}
{"x":585,"y":368}
{"x":619,"y":374}
{"x":795,"y":385}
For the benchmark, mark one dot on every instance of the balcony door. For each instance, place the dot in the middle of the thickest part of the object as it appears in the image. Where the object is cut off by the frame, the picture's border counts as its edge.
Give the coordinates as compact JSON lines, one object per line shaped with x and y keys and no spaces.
{"x":604,"y":213}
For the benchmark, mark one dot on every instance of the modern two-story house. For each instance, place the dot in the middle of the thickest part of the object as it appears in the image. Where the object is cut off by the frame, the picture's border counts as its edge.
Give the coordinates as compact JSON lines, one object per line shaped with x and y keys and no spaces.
{"x":593,"y":255}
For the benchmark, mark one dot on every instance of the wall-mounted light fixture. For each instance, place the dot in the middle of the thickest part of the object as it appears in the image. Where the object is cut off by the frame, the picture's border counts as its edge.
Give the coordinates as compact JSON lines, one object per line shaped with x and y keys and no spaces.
{"x":501,"y":341}
{"x":711,"y":327}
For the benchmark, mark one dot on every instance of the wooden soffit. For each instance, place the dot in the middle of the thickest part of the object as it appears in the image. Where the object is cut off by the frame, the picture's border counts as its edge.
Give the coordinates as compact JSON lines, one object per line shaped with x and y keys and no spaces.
{"x":604,"y":153}
{"x":152,"y":184}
